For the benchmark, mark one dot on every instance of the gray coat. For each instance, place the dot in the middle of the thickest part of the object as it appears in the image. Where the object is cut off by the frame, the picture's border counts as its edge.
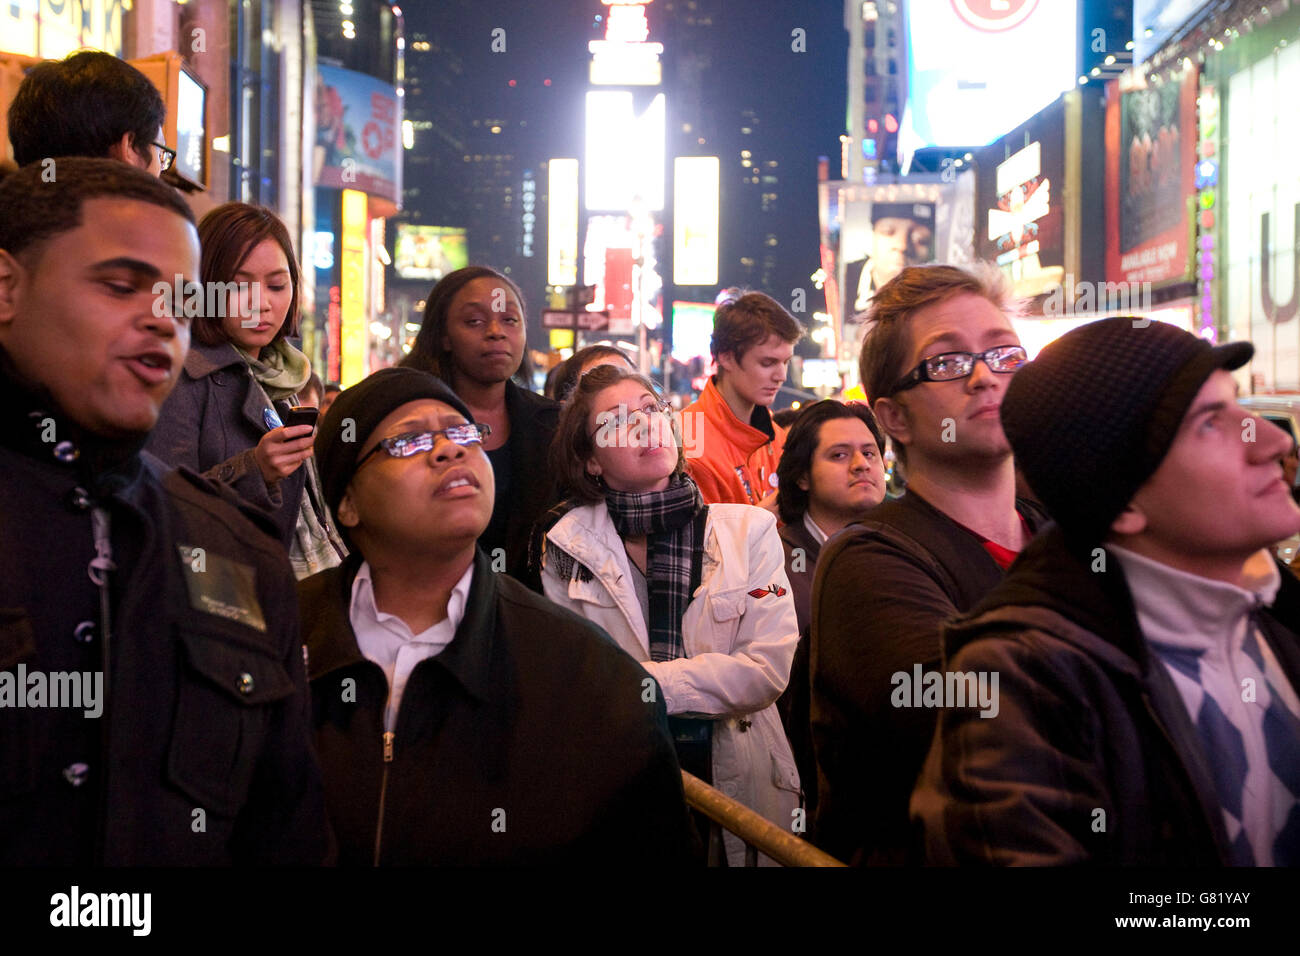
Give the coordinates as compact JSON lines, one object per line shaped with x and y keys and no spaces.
{"x":212,"y":423}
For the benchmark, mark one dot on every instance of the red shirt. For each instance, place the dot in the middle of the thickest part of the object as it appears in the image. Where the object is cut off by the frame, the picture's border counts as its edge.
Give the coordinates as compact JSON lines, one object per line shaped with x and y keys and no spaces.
{"x":1003,"y":556}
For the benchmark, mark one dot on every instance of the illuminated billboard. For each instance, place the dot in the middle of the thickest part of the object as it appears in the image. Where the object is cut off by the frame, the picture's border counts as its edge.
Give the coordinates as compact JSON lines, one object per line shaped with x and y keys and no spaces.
{"x":355,"y":341}
{"x":692,"y":330}
{"x":1258,"y":223}
{"x":429,"y":252}
{"x":695,"y":220}
{"x":970,"y":64}
{"x":625,"y":57}
{"x":357,"y":118}
{"x":562,"y":224}
{"x":1150,"y":173}
{"x":625,"y":152}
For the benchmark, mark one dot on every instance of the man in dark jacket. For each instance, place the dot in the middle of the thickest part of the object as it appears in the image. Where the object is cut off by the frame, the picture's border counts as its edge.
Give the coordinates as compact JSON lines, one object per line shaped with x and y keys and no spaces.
{"x":461,"y":718}
{"x":936,"y":364}
{"x":1146,"y":645}
{"x":831,"y":475}
{"x":153,"y":703}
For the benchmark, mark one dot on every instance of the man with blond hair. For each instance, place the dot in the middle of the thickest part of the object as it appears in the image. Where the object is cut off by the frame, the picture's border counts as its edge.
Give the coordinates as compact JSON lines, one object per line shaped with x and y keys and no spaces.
{"x":937,"y":358}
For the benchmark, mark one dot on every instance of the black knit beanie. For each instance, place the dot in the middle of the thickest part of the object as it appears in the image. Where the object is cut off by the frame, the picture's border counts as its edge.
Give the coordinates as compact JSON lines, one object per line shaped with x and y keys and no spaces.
{"x":365,"y":405}
{"x":1092,"y":417}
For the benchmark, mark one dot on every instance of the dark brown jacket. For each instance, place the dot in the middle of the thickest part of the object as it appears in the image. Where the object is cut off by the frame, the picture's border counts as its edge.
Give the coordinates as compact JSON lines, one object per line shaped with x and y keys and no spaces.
{"x":1092,"y":757}
{"x":883,"y":589}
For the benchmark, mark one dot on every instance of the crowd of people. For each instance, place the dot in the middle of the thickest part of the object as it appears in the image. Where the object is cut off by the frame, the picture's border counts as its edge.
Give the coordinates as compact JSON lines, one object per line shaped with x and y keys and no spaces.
{"x":458,"y":622}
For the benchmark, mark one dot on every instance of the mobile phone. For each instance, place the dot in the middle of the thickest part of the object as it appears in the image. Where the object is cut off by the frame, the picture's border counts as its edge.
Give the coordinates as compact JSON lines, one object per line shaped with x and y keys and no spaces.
{"x":301,"y":415}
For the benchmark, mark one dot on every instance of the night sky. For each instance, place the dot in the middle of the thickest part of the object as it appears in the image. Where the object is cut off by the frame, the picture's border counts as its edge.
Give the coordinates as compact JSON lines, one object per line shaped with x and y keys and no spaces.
{"x":800,"y":97}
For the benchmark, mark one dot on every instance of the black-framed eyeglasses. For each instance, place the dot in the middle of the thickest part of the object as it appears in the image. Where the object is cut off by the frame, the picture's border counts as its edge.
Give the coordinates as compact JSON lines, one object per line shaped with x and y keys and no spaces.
{"x":166,"y":156}
{"x":625,"y":416}
{"x":950,"y":366}
{"x":413,"y":443}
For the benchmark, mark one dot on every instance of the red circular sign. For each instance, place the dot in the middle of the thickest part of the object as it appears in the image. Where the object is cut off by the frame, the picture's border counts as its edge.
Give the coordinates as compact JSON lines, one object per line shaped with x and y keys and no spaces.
{"x":994,"y":16}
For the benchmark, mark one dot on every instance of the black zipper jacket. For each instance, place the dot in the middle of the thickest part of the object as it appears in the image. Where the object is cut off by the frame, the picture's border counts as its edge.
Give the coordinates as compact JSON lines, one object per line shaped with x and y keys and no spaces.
{"x":201,"y":753}
{"x":530,"y":739}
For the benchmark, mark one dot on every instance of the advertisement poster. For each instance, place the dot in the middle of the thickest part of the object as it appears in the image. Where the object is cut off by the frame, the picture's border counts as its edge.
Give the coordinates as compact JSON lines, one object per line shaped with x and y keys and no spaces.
{"x":871,"y":233}
{"x":1150,"y":173}
{"x":1261,"y":207}
{"x":357,"y":120}
{"x":1020,"y":203}
{"x":429,"y":252}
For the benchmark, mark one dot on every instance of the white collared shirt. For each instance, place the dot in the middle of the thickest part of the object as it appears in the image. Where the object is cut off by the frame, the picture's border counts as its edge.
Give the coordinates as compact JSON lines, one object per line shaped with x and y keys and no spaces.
{"x":1180,"y":612}
{"x":814,"y":529}
{"x":386,"y":640}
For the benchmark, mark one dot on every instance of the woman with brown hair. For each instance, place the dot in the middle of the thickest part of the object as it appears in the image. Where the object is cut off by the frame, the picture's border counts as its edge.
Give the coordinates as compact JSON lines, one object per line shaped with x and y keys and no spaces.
{"x":473,"y":337}
{"x":224,"y":419}
{"x":698,"y":593}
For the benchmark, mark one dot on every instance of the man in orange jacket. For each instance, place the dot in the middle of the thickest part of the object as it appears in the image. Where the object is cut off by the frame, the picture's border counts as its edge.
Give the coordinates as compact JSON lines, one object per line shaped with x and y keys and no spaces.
{"x":732,"y":445}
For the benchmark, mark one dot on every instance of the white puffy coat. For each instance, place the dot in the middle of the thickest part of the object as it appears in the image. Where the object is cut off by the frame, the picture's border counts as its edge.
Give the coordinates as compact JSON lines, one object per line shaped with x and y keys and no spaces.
{"x":739,"y":633}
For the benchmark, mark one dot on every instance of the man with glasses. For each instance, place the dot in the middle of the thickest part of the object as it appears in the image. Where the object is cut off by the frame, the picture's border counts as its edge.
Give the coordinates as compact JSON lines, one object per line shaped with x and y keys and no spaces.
{"x":936,"y":361}
{"x":460,"y":718}
{"x":89,"y":104}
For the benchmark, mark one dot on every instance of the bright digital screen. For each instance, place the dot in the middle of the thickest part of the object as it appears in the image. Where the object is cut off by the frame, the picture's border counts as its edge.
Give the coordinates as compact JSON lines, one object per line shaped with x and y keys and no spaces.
{"x":695,"y":220}
{"x":977,"y":68}
{"x":562,"y":224}
{"x":191,"y":130}
{"x":625,"y":152}
{"x":692,"y":329}
{"x":429,"y":252}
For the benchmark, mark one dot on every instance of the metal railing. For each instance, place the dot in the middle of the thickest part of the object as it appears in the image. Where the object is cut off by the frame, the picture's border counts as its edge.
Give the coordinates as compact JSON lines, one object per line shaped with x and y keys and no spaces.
{"x":759,"y":834}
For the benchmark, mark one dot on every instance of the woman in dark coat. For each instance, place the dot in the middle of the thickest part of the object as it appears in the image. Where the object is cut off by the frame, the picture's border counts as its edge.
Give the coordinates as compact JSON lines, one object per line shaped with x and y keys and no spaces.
{"x":241,"y":375}
{"x":474,"y":337}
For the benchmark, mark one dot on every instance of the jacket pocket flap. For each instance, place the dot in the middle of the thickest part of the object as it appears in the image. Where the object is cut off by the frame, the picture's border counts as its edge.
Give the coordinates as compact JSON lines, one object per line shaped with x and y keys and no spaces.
{"x":593,"y":592}
{"x":249,"y":676}
{"x":727,"y":605}
{"x":17,"y":639}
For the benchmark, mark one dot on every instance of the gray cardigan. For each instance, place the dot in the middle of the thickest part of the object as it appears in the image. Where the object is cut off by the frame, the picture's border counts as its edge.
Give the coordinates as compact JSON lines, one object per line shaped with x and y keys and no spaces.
{"x":212,"y":423}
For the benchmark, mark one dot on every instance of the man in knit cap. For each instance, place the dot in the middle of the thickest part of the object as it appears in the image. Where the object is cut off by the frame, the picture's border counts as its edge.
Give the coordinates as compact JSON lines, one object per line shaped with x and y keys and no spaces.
{"x":1146,"y":644}
{"x":461,"y":718}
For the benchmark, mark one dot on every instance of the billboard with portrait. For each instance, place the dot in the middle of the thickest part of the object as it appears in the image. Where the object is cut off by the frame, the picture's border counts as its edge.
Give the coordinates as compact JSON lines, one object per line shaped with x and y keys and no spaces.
{"x":1150,"y":174}
{"x":871,"y":233}
{"x":357,"y":147}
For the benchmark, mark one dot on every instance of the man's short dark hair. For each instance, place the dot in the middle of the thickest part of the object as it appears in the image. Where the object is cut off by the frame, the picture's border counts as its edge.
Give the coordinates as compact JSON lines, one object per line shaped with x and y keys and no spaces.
{"x":82,"y":106}
{"x":801,"y":446}
{"x":39,"y":202}
{"x":747,"y":321}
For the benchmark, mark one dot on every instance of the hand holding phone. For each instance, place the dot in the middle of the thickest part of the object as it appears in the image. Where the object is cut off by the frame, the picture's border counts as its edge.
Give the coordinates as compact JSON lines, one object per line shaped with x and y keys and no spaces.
{"x":301,"y":415}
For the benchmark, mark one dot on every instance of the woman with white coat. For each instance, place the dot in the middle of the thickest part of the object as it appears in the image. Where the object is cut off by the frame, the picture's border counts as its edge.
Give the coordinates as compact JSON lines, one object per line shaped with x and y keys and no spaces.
{"x":698,"y":594}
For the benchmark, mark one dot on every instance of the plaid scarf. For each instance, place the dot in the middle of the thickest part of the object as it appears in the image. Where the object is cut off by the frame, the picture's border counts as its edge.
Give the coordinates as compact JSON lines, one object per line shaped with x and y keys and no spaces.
{"x":673,"y":522}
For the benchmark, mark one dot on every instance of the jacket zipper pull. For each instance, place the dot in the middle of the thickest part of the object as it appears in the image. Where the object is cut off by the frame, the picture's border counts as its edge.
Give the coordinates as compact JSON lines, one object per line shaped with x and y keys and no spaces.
{"x":388,"y":746}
